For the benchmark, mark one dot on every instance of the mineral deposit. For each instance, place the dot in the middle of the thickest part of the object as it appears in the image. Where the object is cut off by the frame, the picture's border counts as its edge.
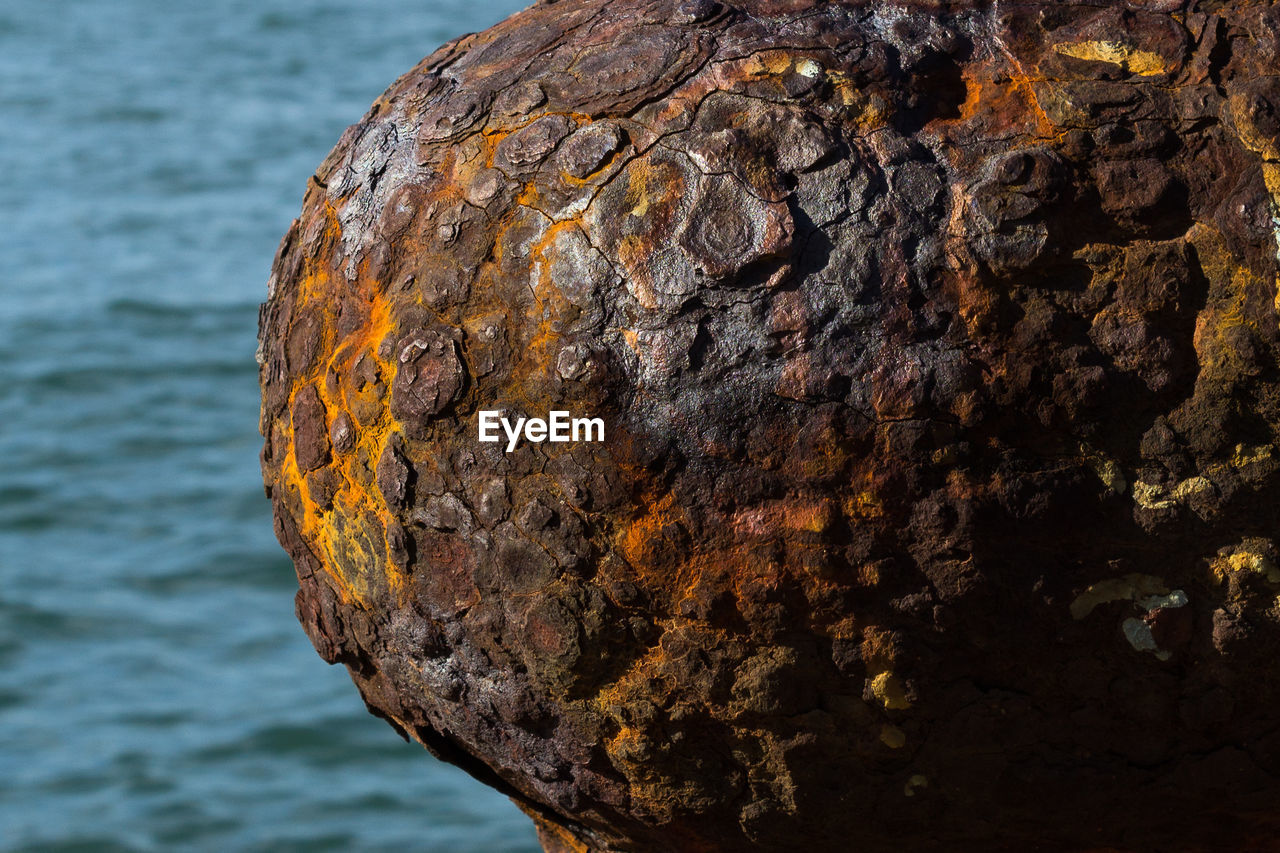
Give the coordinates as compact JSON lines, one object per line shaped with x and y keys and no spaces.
{"x":937,"y":348}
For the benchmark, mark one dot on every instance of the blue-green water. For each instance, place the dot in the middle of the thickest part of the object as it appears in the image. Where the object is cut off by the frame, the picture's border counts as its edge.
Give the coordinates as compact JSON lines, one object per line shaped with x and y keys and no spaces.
{"x":155,"y":691}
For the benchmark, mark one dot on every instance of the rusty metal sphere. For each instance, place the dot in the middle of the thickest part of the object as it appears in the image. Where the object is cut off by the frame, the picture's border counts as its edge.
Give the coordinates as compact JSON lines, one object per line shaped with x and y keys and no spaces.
{"x":934,"y":346}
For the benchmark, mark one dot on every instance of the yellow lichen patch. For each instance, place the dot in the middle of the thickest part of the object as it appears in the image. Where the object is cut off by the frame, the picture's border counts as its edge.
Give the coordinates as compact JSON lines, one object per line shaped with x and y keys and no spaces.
{"x":845,"y":89}
{"x":1217,"y":325}
{"x":638,"y":188}
{"x":650,"y":785}
{"x":873,"y":111}
{"x":530,"y":196}
{"x":1152,"y":496}
{"x":1127,"y":588}
{"x":1190,"y":488}
{"x":776,"y":63}
{"x":808,"y":68}
{"x":892,"y":736}
{"x":1107,"y":470}
{"x":1144,"y":63}
{"x":616,"y":702}
{"x":1249,"y":556}
{"x":1256,"y":563}
{"x":864,"y":505}
{"x":868,"y":574}
{"x":1253,"y":138}
{"x":915,"y":782}
{"x":1271,"y":177}
{"x":317,"y":528}
{"x":1271,"y":174}
{"x":888,"y":688}
{"x":1245,"y":455}
{"x":944,"y":456}
{"x":1233,"y":307}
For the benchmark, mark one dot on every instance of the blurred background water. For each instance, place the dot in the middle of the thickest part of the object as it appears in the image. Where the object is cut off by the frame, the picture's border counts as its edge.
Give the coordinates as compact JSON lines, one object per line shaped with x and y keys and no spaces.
{"x":155,"y":691}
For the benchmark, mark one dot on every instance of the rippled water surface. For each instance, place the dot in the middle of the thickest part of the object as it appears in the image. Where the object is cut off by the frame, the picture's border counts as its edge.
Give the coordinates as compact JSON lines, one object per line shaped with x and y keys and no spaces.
{"x":155,"y":690}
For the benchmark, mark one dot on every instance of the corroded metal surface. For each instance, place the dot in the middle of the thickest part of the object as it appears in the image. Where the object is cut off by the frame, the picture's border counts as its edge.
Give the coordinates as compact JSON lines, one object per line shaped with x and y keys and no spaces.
{"x":936,"y":344}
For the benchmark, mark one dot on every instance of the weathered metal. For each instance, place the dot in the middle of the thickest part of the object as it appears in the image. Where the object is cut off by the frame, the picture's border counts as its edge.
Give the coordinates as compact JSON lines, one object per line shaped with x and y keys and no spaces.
{"x":936,"y":344}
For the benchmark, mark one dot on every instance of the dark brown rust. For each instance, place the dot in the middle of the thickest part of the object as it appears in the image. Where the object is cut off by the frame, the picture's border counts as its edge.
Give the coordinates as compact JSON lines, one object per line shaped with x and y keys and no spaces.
{"x":937,"y":345}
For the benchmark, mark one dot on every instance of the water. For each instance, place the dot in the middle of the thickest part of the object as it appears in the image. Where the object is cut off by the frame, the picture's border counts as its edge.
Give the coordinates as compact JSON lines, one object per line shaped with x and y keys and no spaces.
{"x":155,"y":690}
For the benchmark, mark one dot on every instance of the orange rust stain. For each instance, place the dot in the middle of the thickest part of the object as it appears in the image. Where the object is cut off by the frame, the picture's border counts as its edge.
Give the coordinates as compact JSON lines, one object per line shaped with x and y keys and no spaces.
{"x":998,"y":104}
{"x":553,"y":308}
{"x":878,"y":649}
{"x":961,"y":486}
{"x":314,"y":285}
{"x":801,"y":514}
{"x":643,"y":535}
{"x":863,"y":505}
{"x":313,"y":528}
{"x":564,"y":840}
{"x":973,"y":100}
{"x":356,"y":496}
{"x":529,"y":196}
